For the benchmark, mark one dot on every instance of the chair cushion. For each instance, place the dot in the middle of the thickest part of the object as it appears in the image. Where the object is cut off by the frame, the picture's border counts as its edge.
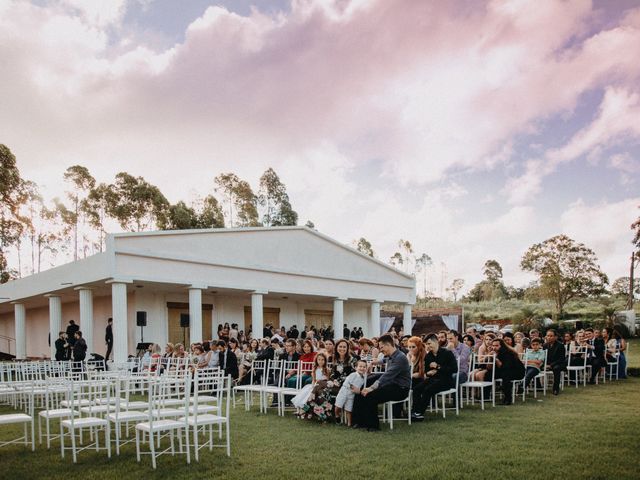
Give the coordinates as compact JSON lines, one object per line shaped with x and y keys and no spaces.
{"x":85,"y":422}
{"x":159,"y":425}
{"x":14,"y":418}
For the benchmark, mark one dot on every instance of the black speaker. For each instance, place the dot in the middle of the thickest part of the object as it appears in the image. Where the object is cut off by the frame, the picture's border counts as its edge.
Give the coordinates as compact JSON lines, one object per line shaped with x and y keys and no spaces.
{"x":141,"y":319}
{"x":184,"y":320}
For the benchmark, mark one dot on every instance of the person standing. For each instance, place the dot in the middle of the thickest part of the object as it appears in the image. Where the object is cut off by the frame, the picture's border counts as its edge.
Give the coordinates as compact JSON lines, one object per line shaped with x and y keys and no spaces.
{"x":72,"y":328}
{"x":79,"y":350}
{"x":108,"y":338}
{"x":61,"y":347}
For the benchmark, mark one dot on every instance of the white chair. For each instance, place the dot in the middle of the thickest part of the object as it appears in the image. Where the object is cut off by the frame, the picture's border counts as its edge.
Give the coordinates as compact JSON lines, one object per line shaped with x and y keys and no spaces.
{"x":613,"y":366}
{"x":271,"y":385}
{"x":26,"y":419}
{"x":447,"y":393}
{"x":78,"y":394}
{"x":200,"y":420}
{"x":487,"y":362}
{"x":55,"y":392}
{"x":579,"y":355}
{"x":387,"y":407}
{"x":122,"y":415}
{"x":256,"y":376}
{"x":157,"y":425}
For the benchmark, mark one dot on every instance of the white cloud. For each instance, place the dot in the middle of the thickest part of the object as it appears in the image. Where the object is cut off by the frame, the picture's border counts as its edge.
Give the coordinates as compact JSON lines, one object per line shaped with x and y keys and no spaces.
{"x":605,"y":228}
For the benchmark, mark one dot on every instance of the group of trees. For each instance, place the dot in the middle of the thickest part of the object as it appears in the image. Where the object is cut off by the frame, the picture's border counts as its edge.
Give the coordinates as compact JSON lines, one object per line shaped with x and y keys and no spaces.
{"x":565,"y":270}
{"x":76,"y":224}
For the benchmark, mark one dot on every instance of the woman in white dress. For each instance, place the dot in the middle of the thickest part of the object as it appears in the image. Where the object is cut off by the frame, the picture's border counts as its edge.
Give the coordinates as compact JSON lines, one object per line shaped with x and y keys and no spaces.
{"x":320,"y":373}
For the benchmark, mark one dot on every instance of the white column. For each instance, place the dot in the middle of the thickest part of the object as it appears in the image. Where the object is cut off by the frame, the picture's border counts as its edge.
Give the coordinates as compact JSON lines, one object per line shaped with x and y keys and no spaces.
{"x":55,"y":320}
{"x":257,"y":320}
{"x":120,"y":321}
{"x":86,"y":316}
{"x":20,"y":326}
{"x":338,"y":318}
{"x":406,"y":320}
{"x":374,"y":320}
{"x":195,"y":315}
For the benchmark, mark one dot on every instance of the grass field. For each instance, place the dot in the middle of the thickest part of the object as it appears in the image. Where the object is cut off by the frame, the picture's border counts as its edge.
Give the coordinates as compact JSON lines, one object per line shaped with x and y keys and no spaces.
{"x":588,"y":432}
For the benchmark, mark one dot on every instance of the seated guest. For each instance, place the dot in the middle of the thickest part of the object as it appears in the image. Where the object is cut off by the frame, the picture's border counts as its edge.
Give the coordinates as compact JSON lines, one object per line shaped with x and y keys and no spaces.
{"x":202,"y":357}
{"x":485,"y":347}
{"x":416,"y":356}
{"x":367,"y":351}
{"x":442,"y":338}
{"x":556,"y":359}
{"x":268,"y":351}
{"x":393,"y":384}
{"x":440,"y":366}
{"x":469,"y":341}
{"x":596,"y":353}
{"x":508,"y":367}
{"x":517,"y":340}
{"x":568,"y":338}
{"x":621,"y":347}
{"x":290,"y":355}
{"x":460,"y":351}
{"x":509,"y":340}
{"x":344,"y":363}
{"x":227,"y":360}
{"x":534,"y":358}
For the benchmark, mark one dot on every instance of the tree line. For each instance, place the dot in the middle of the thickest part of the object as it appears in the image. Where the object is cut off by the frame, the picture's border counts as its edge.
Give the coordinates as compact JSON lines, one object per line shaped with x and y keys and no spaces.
{"x":37,"y":231}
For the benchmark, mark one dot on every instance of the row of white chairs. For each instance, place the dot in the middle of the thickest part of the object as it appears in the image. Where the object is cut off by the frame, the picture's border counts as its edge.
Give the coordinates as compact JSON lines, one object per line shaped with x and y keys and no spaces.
{"x":181,"y":401}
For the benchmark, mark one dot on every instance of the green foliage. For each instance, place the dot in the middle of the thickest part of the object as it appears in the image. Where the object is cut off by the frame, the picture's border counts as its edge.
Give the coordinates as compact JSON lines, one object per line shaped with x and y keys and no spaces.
{"x":238,"y":196}
{"x":492,"y":271}
{"x":274,"y":199}
{"x":207,"y":214}
{"x":136,"y":204}
{"x":566,"y":270}
{"x":364,"y":246}
{"x":12,"y":196}
{"x":621,"y":286}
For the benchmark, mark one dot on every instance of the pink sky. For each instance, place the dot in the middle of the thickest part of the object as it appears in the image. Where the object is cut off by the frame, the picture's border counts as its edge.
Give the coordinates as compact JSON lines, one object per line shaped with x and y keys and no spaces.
{"x":473,"y":129}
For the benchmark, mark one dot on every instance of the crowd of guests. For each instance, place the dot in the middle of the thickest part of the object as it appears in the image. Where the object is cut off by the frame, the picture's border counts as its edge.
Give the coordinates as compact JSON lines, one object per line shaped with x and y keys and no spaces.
{"x":354,"y":374}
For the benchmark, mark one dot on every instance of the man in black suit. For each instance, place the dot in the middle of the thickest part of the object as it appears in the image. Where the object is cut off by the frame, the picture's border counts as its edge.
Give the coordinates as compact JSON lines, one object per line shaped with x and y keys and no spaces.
{"x":79,"y":351}
{"x":345,"y":331}
{"x":228,"y":360}
{"x":61,"y":347}
{"x":72,"y":328}
{"x":596,"y":353}
{"x":108,"y":338}
{"x":556,"y":358}
{"x":440,"y":365}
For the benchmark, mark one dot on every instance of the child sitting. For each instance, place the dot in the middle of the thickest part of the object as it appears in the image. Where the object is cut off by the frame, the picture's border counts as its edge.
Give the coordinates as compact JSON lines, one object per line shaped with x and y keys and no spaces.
{"x":534,"y":358}
{"x":344,"y":400}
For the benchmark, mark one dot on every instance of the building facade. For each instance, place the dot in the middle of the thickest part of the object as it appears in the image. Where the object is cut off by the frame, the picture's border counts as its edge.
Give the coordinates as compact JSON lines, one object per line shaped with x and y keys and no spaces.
{"x":249,"y":276}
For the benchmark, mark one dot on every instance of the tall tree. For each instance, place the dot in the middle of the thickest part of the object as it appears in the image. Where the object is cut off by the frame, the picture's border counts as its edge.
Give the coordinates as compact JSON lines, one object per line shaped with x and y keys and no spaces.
{"x":455,"y":288}
{"x":492,"y":271}
{"x":180,"y":217}
{"x":135,"y":203}
{"x":423,"y":262}
{"x":396,"y":259}
{"x":620,"y":287}
{"x":95,"y":208}
{"x":566,"y":270}
{"x":406,"y":250}
{"x":240,"y":200}
{"x":210,"y":213}
{"x":364,"y":246}
{"x":12,"y":196}
{"x":42,"y":232}
{"x":81,"y":182}
{"x":273,"y":198}
{"x":635,"y":260}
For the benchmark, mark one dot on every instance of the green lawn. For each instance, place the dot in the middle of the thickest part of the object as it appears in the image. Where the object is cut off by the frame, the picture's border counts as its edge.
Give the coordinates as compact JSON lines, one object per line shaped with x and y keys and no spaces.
{"x":550,"y":438}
